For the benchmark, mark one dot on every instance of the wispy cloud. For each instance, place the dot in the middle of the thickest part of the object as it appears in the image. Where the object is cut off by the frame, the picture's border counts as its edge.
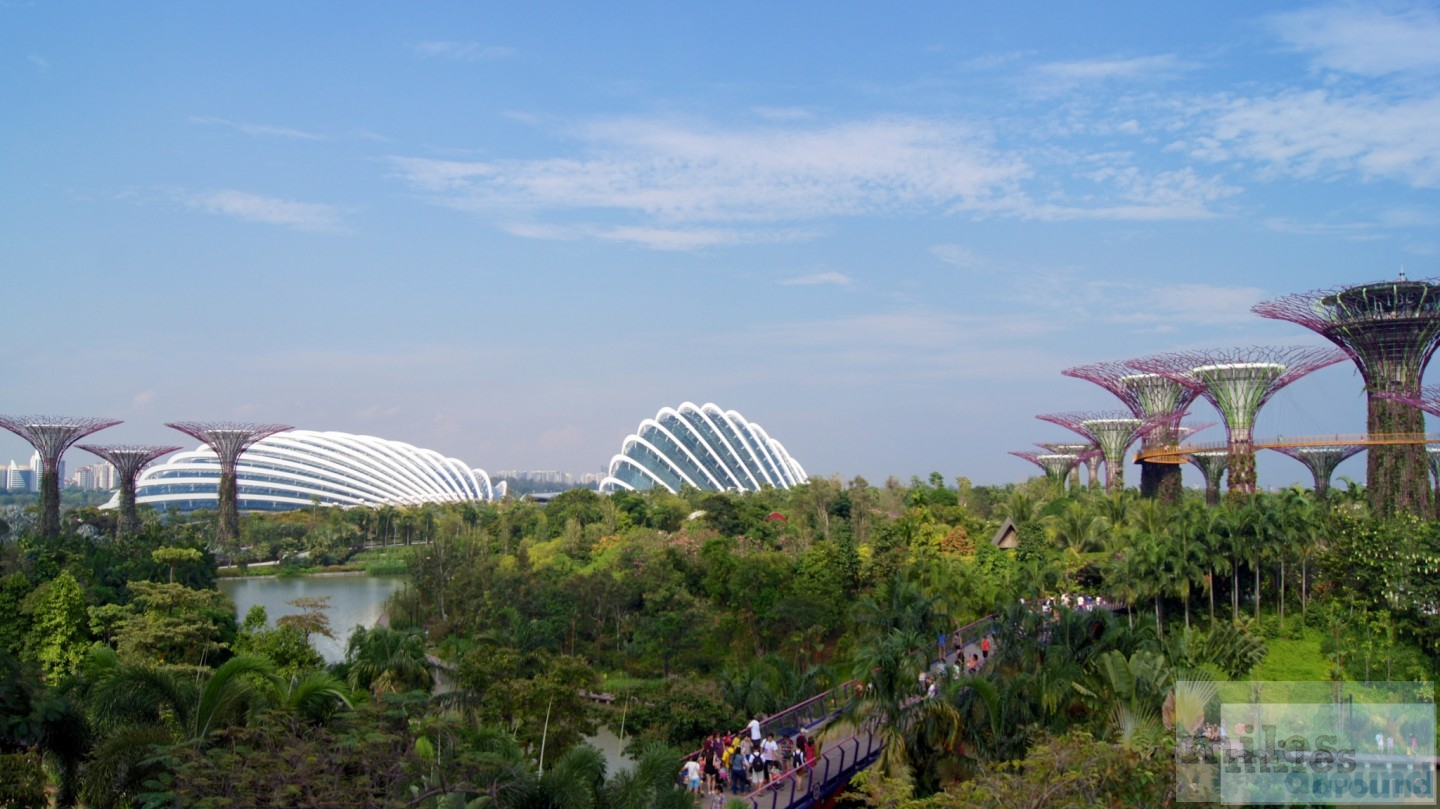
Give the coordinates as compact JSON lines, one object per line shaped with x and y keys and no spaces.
{"x":818,"y":278}
{"x":1367,"y":39}
{"x":730,"y":185}
{"x":38,"y":61}
{"x":1053,"y":77}
{"x":958,"y":256}
{"x":461,"y":51}
{"x":257,"y":130}
{"x":307,"y":216}
{"x":913,"y":345}
{"x":688,"y":174}
{"x":1319,"y":134}
{"x":1152,"y":307}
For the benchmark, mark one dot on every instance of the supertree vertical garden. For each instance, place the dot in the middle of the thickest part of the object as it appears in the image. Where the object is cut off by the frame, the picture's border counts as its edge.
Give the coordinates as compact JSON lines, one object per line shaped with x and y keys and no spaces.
{"x":1421,"y":401}
{"x":1088,"y":454}
{"x":1112,"y":431}
{"x":1432,"y":454}
{"x":1238,"y":382}
{"x":128,"y":460}
{"x":1321,"y":461}
{"x":1390,"y":329}
{"x":1212,"y":464}
{"x":1056,"y":465}
{"x":228,"y":440}
{"x":1155,"y":399}
{"x":51,"y":436}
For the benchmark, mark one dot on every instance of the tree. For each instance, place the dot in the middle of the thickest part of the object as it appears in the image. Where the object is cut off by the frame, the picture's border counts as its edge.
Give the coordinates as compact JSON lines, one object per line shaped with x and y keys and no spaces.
{"x":387,"y":661}
{"x":58,"y":632}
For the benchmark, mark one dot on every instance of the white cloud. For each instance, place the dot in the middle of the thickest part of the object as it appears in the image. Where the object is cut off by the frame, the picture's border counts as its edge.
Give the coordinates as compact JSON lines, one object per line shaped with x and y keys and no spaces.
{"x":679,"y":174}
{"x":461,"y":51}
{"x":1055,"y":77}
{"x":257,"y":130}
{"x":1365,"y":39}
{"x":1320,"y":135}
{"x":1158,"y":305}
{"x":38,"y":61}
{"x":958,"y":256}
{"x":306,"y":216}
{"x":815,"y":279}
{"x":694,"y":185}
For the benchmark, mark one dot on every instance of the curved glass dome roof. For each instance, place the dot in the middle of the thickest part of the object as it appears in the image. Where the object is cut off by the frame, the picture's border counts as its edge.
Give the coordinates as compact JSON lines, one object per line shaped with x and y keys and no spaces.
{"x":701,"y":446}
{"x":297,"y":468}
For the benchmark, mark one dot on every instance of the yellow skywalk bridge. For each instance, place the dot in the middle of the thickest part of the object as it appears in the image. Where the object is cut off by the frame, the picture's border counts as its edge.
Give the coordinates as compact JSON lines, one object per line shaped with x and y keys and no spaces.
{"x":1176,"y":453}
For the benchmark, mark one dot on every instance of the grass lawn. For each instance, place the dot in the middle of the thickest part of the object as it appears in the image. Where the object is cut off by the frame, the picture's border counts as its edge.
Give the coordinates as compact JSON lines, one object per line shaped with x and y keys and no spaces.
{"x":1293,"y":660}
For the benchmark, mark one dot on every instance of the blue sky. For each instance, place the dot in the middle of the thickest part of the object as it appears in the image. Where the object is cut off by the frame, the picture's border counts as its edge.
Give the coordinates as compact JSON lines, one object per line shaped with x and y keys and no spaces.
{"x":509,"y":232}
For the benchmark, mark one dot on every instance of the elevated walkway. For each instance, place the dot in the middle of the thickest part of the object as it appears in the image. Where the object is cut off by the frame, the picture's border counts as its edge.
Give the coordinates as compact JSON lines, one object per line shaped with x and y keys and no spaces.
{"x":855,"y":749}
{"x":1176,"y":453}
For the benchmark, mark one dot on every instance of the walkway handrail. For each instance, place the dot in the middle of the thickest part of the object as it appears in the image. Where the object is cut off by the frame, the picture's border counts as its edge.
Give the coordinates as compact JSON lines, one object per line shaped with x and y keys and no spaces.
{"x":836,"y":764}
{"x":1162,"y":454}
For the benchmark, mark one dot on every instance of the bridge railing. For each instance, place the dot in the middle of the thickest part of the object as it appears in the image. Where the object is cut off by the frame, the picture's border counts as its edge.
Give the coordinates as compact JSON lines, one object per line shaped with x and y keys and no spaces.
{"x":799,"y":787}
{"x":1174,"y":453}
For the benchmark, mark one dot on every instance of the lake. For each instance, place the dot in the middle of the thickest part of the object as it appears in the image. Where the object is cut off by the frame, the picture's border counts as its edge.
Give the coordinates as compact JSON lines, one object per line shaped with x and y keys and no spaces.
{"x":354,"y":600}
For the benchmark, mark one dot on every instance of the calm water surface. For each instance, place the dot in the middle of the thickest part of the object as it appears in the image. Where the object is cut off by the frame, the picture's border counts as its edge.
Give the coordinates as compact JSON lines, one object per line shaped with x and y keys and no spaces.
{"x":354,"y":600}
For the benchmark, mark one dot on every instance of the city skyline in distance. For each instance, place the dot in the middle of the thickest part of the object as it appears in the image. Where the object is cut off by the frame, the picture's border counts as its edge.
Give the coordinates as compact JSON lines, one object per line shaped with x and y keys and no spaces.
{"x":511,"y":236}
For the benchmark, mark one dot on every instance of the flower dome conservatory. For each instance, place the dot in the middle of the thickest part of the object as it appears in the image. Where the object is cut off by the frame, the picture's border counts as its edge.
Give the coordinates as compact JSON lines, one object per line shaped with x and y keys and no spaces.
{"x":298,"y":468}
{"x":701,"y":446}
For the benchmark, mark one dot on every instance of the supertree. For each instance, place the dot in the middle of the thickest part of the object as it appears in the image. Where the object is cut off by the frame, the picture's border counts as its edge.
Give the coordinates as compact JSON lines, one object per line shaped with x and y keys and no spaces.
{"x":1056,"y":465}
{"x":1111,"y":431}
{"x":1390,"y":329}
{"x":1153,"y":398}
{"x":128,"y":460}
{"x":51,"y":436}
{"x":1212,"y":464}
{"x":1238,"y":381}
{"x":1321,"y":461}
{"x":1432,"y":454}
{"x":1088,"y":454}
{"x":228,"y":440}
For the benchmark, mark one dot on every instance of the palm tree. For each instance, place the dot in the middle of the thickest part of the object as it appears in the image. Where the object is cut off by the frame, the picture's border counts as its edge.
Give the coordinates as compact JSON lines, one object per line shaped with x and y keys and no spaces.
{"x":387,"y":661}
{"x":1077,"y":532}
{"x":135,"y":709}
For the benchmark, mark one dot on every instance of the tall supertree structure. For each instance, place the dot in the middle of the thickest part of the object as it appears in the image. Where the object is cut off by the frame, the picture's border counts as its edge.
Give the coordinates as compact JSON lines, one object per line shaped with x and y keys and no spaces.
{"x":1112,"y":431}
{"x":1056,"y":465}
{"x":1321,"y":461}
{"x":1432,"y":454}
{"x":1238,"y":382}
{"x":128,"y":460}
{"x":1390,"y":329}
{"x":228,"y":440}
{"x":1212,"y":464}
{"x":1088,"y":454}
{"x":1152,"y":398}
{"x":51,"y":436}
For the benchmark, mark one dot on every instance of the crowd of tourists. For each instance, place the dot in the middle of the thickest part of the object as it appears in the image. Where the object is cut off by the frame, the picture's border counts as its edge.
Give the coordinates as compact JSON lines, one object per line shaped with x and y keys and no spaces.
{"x":745,"y":761}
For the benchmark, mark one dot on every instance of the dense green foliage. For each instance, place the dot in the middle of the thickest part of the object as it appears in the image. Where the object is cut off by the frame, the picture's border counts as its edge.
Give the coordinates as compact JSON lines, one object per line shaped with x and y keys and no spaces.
{"x":126,"y":679}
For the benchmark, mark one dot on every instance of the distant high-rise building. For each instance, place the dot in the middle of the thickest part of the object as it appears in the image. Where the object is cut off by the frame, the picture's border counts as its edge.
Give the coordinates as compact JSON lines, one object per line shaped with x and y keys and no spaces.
{"x":16,"y":479}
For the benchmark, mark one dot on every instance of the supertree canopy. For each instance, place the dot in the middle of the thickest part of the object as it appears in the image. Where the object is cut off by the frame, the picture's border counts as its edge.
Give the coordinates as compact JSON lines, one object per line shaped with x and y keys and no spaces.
{"x":229,"y":440}
{"x":1390,"y":329}
{"x":1111,"y":431}
{"x":1056,"y":465}
{"x":128,"y":460}
{"x":51,"y":436}
{"x":1088,"y":454}
{"x":1154,"y":398}
{"x":1321,"y":461}
{"x":1238,"y":382}
{"x":1212,"y":465}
